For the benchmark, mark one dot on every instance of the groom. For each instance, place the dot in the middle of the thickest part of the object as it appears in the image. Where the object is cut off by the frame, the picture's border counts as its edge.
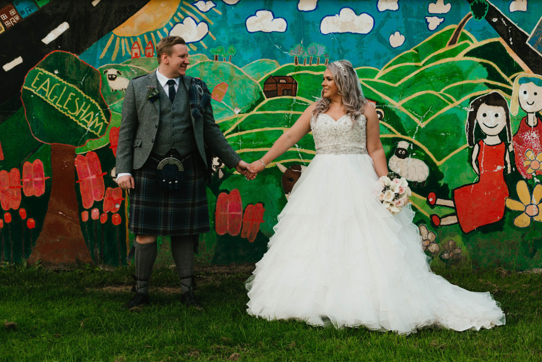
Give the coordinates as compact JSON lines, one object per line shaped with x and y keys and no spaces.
{"x":166,"y":132}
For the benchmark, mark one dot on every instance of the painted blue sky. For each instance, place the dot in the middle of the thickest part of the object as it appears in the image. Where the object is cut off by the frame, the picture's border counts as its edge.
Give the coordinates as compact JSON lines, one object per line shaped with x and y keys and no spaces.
{"x":370,"y":49}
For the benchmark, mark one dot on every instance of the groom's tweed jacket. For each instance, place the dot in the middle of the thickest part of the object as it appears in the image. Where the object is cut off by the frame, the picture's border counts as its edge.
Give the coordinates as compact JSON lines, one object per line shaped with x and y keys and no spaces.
{"x":141,"y":117}
{"x":148,"y":119}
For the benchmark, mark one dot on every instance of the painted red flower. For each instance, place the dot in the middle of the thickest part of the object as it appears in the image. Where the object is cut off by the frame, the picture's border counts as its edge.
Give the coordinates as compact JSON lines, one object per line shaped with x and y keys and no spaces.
{"x":114,"y":139}
{"x":91,"y":180}
{"x":251,"y":221}
{"x":34,"y":178}
{"x":113,"y":199}
{"x":22,"y":213}
{"x":229,"y":213}
{"x":15,"y":188}
{"x":116,"y":219}
{"x":7,"y":217}
{"x":103,"y":218}
{"x":95,"y":214}
{"x":4,"y":190}
{"x":31,"y":223}
{"x":84,"y":216}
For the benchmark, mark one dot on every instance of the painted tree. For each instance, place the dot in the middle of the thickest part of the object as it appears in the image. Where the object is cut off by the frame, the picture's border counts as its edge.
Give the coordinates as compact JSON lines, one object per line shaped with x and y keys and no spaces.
{"x":478,"y":10}
{"x":216,"y":52}
{"x":312,"y":51}
{"x":322,"y":49}
{"x":231,"y":52}
{"x":65,"y":108}
{"x":515,"y":37}
{"x":297,"y":51}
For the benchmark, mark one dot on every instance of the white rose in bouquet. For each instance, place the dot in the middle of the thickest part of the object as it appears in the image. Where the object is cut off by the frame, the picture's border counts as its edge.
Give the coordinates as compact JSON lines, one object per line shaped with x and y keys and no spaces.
{"x":395,"y":184}
{"x":389,"y":196}
{"x":404,"y":182}
{"x":394,"y":209}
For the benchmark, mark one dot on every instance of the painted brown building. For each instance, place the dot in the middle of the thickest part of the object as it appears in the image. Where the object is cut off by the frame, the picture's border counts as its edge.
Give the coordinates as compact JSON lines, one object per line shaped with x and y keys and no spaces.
{"x":276,"y":86}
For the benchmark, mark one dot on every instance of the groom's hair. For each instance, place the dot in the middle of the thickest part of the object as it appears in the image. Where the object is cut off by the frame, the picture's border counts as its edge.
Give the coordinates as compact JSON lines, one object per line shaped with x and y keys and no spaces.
{"x":165,"y":44}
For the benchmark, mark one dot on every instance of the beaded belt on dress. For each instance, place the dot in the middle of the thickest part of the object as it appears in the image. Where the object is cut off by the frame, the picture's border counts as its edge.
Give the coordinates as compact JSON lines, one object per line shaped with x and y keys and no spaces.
{"x":341,"y":150}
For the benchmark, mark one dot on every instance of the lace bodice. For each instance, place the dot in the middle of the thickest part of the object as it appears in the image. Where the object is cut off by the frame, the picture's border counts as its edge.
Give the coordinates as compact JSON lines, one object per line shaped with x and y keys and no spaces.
{"x":342,"y":136}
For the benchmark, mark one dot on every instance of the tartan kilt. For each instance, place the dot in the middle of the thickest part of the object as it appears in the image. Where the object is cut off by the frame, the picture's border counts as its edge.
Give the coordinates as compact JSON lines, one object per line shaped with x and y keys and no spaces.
{"x":154,"y":211}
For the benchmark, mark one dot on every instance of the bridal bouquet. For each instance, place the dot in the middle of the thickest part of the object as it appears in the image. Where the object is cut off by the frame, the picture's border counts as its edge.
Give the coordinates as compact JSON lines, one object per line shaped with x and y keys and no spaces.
{"x":395,"y":192}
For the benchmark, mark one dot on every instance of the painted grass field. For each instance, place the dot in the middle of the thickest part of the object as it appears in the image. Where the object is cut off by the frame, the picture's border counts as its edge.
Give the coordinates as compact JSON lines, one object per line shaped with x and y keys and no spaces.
{"x":76,"y":316}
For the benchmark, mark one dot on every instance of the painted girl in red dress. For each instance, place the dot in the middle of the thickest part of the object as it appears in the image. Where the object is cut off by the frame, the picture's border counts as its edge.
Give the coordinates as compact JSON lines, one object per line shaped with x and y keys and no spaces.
{"x":482,"y":202}
{"x":527,"y":141}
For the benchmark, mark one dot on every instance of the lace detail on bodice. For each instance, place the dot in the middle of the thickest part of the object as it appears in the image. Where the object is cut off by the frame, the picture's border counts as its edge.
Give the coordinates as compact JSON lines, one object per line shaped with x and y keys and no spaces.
{"x":342,"y":136}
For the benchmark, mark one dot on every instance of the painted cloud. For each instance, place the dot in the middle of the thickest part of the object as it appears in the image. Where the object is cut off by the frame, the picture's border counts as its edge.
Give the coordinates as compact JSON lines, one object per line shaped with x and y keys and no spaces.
{"x":264,"y":21}
{"x":433,"y":22}
{"x":439,"y":7}
{"x":307,"y":5}
{"x":190,"y":31}
{"x":391,"y":5}
{"x":518,"y":5}
{"x":397,"y":39}
{"x":231,"y":2}
{"x":204,"y":6}
{"x":347,"y":22}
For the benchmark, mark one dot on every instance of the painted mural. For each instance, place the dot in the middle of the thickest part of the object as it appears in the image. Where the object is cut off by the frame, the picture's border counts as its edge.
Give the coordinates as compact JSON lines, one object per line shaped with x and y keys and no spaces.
{"x":457,"y":86}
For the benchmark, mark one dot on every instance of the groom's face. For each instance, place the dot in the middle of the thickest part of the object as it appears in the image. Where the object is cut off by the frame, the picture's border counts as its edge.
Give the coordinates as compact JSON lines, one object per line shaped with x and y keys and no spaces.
{"x":176,"y":63}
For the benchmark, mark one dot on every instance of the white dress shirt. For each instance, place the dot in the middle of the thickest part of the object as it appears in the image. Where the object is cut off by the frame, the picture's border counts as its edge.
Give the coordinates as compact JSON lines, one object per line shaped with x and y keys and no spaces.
{"x":162,"y":79}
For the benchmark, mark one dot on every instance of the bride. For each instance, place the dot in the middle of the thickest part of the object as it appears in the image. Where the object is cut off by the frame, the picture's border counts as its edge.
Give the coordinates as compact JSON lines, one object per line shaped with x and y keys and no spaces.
{"x":337,"y":255}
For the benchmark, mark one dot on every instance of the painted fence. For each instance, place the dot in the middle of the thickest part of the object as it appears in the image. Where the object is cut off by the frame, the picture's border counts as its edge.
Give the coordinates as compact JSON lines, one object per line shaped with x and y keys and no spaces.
{"x":457,"y":86}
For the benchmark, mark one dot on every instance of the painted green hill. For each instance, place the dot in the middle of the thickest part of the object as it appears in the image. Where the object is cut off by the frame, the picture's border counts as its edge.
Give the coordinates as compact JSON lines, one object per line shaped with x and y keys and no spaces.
{"x":243,"y":92}
{"x":260,"y":68}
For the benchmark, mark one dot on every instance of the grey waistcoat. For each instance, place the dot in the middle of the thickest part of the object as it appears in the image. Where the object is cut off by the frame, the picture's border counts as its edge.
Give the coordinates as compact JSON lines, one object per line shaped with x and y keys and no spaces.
{"x":175,"y":126}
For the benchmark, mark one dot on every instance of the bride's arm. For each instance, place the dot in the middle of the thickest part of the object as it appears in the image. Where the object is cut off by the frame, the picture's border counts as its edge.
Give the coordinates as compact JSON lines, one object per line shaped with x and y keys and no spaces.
{"x":374,"y":146}
{"x":289,"y":138}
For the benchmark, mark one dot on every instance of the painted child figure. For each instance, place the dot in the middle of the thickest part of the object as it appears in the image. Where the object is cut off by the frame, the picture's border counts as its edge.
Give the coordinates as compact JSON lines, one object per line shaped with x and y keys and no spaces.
{"x":482,"y":202}
{"x":527,"y":143}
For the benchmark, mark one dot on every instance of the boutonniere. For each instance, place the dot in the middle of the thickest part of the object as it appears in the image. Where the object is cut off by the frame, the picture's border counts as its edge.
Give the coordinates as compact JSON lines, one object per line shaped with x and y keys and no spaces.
{"x":152,"y":93}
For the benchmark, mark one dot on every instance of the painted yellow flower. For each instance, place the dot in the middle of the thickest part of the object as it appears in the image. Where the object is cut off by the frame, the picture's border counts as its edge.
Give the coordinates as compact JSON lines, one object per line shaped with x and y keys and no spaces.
{"x":528,"y":204}
{"x":533,"y":163}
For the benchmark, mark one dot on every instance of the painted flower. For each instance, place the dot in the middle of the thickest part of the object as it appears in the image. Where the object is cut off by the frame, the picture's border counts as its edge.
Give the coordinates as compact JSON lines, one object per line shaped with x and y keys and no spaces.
{"x":152,"y":93}
{"x":428,"y":240}
{"x":532,"y":163}
{"x":528,"y":204}
{"x":451,"y":252}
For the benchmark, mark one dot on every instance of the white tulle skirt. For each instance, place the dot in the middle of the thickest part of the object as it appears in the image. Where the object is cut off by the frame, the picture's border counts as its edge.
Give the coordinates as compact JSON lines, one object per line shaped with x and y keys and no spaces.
{"x":337,"y":256}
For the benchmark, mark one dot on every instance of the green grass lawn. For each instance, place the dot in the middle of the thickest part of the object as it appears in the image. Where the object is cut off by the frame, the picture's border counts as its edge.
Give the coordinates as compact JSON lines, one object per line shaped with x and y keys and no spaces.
{"x":76,"y":315}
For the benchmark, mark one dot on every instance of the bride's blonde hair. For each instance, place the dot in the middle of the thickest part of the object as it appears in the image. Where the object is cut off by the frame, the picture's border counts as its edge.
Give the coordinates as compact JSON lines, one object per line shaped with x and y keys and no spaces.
{"x":347,"y":82}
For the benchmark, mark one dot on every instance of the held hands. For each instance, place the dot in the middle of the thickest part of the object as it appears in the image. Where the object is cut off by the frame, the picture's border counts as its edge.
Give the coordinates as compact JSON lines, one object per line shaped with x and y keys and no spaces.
{"x":257,"y":167}
{"x":245,"y":169}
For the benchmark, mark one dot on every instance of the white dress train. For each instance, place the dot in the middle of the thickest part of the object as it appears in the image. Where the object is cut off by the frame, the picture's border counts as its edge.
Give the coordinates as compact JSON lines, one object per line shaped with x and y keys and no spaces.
{"x":337,"y":254}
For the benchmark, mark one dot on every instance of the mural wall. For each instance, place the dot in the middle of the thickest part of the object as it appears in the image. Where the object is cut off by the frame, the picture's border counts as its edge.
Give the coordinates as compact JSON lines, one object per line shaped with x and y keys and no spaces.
{"x":457,"y":86}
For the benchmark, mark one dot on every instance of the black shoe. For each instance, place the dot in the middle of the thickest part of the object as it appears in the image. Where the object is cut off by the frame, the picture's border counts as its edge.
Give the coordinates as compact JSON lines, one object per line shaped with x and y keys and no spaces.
{"x":189,"y":299}
{"x":139,"y":299}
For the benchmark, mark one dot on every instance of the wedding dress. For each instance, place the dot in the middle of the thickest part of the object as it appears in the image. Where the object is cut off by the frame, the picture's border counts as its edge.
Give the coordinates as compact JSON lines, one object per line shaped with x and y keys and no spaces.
{"x":338,"y":256}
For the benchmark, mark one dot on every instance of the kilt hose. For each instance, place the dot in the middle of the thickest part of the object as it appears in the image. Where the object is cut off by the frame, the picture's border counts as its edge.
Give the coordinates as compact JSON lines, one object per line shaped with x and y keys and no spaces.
{"x":154,"y":211}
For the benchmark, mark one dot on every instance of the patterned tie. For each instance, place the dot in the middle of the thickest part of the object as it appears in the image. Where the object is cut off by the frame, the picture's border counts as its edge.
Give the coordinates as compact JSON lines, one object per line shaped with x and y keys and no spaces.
{"x":171,"y":92}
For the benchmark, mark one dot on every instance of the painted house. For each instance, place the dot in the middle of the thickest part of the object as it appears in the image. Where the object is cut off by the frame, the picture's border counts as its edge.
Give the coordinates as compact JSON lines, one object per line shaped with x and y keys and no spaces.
{"x":277,"y":86}
{"x":136,"y":50}
{"x":149,"y":49}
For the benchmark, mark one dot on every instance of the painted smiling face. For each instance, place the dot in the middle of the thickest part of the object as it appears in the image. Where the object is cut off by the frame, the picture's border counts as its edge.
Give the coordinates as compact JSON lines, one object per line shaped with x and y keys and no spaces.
{"x":491,"y":119}
{"x":530,"y":97}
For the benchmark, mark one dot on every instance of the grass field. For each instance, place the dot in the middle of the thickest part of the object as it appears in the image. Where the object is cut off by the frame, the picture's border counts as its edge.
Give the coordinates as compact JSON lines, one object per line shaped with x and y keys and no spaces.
{"x":76,"y":316}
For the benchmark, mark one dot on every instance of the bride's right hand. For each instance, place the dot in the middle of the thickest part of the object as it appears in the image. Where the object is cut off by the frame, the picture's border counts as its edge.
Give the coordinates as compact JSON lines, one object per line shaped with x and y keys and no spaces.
{"x":257,"y":167}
